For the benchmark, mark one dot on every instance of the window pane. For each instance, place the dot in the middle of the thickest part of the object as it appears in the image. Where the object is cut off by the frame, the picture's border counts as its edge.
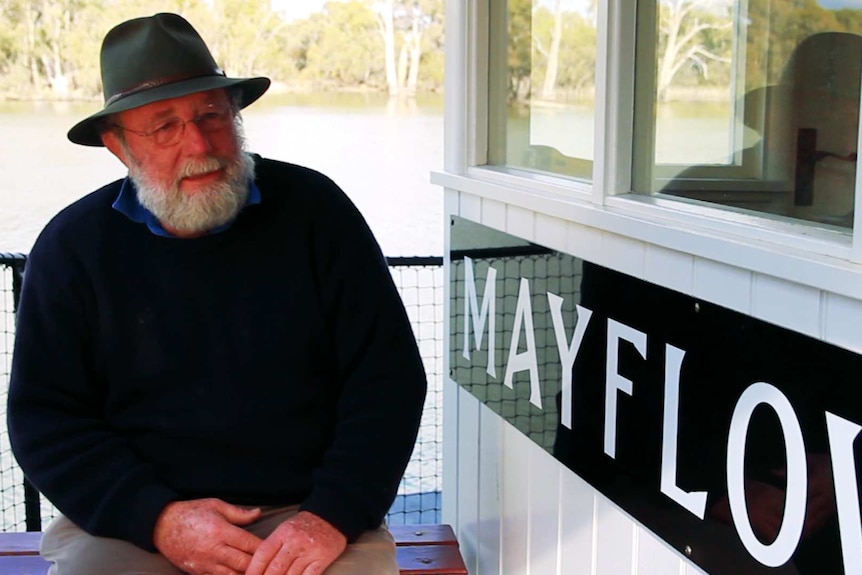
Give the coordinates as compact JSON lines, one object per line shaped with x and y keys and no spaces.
{"x":542,"y":85}
{"x":751,"y":104}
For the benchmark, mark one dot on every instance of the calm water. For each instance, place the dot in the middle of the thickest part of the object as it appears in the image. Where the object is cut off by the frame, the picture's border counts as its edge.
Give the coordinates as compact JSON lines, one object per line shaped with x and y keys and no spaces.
{"x":379,"y":152}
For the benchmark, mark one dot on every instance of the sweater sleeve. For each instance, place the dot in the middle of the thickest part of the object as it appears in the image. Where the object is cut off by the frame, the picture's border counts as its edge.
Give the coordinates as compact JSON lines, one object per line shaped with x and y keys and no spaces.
{"x":378,"y":362}
{"x":59,"y":432}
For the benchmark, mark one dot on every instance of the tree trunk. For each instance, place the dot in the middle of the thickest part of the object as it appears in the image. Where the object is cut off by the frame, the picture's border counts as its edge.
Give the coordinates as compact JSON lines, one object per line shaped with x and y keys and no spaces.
{"x":387,"y":29}
{"x":549,"y":87}
{"x":30,"y":17}
{"x":414,"y":43}
{"x":403,"y":63}
{"x":667,"y":60}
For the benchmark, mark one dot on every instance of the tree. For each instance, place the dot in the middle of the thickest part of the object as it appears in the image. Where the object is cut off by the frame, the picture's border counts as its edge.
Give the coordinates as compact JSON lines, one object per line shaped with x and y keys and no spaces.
{"x":49,"y":48}
{"x":777,"y":30}
{"x":519,"y":54}
{"x":403,"y":26}
{"x":682,"y":24}
{"x":246,"y":38}
{"x":549,"y":86}
{"x":348,"y":49}
{"x":385,"y":10}
{"x":569,"y":64}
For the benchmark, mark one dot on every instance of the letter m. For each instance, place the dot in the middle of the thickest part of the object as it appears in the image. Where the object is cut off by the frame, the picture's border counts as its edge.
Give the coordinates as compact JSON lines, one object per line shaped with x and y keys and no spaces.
{"x":480,"y":315}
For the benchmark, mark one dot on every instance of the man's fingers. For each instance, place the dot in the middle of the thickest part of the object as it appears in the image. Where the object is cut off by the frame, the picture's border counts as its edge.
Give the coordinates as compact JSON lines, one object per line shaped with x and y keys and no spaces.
{"x":234,"y":558}
{"x":262,"y":557}
{"x":313,"y":568}
{"x":284,"y":563}
{"x":243,"y":540}
{"x":238,"y":515}
{"x":224,"y":570}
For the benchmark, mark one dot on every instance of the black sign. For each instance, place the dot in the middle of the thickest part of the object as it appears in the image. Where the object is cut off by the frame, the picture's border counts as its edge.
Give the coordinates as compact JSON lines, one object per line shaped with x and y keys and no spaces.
{"x":732,"y":439}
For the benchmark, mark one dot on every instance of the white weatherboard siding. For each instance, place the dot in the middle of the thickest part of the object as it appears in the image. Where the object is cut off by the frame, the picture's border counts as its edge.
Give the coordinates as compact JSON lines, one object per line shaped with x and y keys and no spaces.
{"x":517,"y":511}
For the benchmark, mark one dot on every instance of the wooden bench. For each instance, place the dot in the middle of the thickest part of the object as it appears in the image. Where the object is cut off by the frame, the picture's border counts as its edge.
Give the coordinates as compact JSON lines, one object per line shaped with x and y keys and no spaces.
{"x":420,"y":549}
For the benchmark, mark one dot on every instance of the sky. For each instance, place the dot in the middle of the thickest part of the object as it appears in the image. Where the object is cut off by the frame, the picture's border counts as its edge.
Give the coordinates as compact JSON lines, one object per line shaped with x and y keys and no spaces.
{"x":294,"y":9}
{"x":837,"y":4}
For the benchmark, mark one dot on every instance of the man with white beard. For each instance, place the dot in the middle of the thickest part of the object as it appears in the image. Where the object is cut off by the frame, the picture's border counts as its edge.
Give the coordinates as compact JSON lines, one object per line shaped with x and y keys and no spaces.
{"x":213,"y":372}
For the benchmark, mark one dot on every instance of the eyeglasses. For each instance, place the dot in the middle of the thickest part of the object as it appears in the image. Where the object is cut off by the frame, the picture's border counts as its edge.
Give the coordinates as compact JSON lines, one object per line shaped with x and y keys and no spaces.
{"x":170,"y":132}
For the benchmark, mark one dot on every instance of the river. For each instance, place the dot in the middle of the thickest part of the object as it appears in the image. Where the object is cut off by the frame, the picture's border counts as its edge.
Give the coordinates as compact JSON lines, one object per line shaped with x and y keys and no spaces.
{"x":380,"y":152}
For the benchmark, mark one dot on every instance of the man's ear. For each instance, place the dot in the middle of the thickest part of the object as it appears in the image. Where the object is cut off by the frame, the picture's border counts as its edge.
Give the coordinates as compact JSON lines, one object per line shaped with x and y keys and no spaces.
{"x":112,"y":141}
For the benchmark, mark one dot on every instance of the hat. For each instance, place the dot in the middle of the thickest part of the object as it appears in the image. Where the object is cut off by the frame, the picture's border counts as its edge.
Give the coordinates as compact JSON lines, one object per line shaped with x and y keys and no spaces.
{"x":155,"y":58}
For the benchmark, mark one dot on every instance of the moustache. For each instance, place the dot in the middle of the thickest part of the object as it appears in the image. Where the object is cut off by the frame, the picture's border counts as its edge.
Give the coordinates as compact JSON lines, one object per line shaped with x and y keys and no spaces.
{"x":200,"y":166}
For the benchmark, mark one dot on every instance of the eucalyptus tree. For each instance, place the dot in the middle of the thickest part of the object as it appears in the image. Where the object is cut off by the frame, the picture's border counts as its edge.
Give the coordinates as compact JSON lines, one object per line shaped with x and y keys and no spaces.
{"x":409,"y":29}
{"x":683,"y":25}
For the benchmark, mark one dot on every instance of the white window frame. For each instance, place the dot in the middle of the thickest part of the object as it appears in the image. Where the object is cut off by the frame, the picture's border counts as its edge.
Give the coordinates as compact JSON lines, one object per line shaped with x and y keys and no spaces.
{"x":796,"y":251}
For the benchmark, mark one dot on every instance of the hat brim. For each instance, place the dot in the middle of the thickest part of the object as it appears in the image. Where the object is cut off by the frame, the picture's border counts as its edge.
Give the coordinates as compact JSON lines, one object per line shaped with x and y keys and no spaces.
{"x":87,"y":133}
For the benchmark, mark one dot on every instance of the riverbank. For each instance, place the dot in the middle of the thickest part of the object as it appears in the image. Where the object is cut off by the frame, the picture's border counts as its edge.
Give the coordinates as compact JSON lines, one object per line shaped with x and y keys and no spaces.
{"x":277,"y":87}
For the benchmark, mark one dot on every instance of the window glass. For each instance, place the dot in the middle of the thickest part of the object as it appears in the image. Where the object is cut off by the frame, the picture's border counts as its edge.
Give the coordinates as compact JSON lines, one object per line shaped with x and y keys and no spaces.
{"x":542,"y":85}
{"x":750,"y":104}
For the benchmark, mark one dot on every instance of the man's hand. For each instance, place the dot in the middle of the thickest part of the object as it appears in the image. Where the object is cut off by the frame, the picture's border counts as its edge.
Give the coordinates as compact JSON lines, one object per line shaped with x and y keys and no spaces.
{"x":305,"y":544}
{"x":201,"y":536}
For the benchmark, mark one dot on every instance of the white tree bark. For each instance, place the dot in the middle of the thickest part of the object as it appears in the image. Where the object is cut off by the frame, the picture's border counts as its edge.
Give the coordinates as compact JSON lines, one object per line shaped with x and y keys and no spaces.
{"x":549,"y":86}
{"x":386,"y":20}
{"x":680,"y":47}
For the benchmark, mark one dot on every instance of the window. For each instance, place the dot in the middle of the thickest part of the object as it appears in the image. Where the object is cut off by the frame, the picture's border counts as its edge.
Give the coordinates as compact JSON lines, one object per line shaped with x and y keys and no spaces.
{"x":750,"y":104}
{"x":542,"y":86}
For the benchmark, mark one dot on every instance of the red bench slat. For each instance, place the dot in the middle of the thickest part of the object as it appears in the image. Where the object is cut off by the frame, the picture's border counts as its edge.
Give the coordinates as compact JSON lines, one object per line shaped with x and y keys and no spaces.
{"x":19,"y":543}
{"x":430,"y":560}
{"x":426,"y":534}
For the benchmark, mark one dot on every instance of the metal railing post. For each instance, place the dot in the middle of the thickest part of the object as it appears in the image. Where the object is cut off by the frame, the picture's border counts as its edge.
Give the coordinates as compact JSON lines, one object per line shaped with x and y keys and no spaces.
{"x":32,"y":499}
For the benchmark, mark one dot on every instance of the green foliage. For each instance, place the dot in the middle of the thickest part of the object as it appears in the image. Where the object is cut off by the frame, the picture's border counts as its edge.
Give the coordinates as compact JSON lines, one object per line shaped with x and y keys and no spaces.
{"x":50,"y":48}
{"x":348,"y":48}
{"x":576,"y":70}
{"x":776,"y":33}
{"x":520,"y":35}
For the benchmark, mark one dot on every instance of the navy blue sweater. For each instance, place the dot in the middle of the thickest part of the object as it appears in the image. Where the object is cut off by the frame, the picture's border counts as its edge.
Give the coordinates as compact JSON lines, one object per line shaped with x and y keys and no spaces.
{"x":271,"y":363}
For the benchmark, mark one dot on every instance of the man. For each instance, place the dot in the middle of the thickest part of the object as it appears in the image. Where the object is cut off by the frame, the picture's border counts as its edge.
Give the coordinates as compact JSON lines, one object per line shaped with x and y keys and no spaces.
{"x":213,"y":372}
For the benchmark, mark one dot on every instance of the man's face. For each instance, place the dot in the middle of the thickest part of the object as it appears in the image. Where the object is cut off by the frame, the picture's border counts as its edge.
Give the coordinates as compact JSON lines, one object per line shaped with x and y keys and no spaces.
{"x":195,"y":181}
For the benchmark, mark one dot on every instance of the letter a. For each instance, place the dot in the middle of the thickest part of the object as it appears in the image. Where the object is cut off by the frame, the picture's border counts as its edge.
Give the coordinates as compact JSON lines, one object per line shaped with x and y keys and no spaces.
{"x":526,"y":359}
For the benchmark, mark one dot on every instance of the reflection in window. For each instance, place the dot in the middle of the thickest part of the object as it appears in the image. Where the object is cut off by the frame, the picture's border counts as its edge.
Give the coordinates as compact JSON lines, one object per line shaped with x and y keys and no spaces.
{"x":751,"y":104}
{"x":543,"y":59}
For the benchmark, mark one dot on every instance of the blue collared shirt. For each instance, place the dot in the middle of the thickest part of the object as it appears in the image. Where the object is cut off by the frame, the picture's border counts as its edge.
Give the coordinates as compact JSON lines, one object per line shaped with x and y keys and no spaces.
{"x":127,"y":204}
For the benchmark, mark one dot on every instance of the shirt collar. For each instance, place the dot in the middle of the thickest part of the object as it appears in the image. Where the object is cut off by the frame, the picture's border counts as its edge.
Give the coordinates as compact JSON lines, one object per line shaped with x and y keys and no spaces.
{"x":127,"y":203}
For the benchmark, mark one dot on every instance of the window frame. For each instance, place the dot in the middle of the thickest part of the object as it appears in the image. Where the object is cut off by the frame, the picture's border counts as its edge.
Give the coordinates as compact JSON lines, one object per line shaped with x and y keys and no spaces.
{"x":796,"y":250}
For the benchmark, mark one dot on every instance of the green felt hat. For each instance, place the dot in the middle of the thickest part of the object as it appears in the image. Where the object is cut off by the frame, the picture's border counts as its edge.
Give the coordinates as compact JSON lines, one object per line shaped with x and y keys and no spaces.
{"x":155,"y":58}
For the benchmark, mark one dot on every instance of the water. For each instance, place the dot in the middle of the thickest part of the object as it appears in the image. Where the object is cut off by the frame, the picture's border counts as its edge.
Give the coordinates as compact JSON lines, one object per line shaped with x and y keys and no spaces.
{"x":380,"y":152}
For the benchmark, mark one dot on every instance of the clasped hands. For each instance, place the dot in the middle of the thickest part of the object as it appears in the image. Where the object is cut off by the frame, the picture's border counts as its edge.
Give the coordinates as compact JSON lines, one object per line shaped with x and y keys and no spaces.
{"x":205,"y":537}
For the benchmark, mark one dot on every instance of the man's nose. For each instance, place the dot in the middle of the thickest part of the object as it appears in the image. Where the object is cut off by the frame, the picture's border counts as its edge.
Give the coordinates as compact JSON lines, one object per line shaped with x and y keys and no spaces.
{"x":195,"y":141}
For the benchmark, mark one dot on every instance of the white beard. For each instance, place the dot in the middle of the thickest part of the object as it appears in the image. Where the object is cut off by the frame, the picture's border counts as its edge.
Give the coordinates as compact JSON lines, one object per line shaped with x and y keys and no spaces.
{"x":208,"y":208}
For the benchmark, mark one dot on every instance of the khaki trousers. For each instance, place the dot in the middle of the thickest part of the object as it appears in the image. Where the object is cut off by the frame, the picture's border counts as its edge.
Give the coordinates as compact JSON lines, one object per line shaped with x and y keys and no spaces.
{"x":73,"y":551}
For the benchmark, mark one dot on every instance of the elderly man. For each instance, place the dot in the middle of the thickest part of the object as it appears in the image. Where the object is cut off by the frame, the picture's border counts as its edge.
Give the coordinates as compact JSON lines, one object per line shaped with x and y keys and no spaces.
{"x":213,"y":372}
